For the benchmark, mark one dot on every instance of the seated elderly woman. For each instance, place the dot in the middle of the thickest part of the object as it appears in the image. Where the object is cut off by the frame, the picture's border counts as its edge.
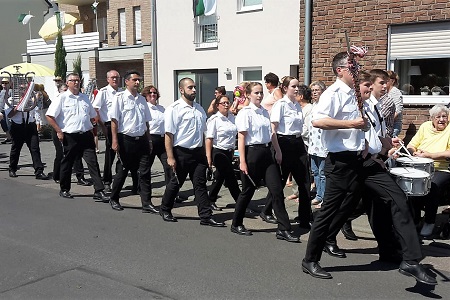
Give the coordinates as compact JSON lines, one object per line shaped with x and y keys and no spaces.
{"x":432,"y":140}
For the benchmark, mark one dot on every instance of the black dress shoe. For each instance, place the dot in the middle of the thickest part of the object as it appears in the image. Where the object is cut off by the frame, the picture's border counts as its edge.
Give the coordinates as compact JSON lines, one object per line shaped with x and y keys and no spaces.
{"x":287,"y":236}
{"x":212,"y":222}
{"x":334,"y":250}
{"x":268,"y":218}
{"x":215,"y":207}
{"x":348,"y":232}
{"x":66,"y":194}
{"x":167,"y":216}
{"x":83,"y":182}
{"x":100,"y":195}
{"x":418,"y":272}
{"x":115,"y":204}
{"x":240,"y":230}
{"x":315,"y":270}
{"x":41,"y":176}
{"x":12,"y":174}
{"x":149,"y":208}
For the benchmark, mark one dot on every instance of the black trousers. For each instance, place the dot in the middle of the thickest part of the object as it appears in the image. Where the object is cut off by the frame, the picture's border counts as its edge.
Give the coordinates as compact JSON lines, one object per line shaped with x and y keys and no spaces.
{"x":260,"y":164}
{"x":77,"y":165}
{"x":159,"y":150}
{"x":343,"y":171}
{"x":192,"y":162}
{"x":134,"y":156}
{"x":430,"y":202}
{"x":79,"y":145}
{"x":25,"y":133}
{"x":389,"y":214}
{"x":295,"y":161}
{"x":110,"y":154}
{"x":223,"y":161}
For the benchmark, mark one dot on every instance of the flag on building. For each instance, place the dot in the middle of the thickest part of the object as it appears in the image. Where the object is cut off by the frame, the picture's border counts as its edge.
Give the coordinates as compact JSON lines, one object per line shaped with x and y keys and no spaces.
{"x":25,"y":18}
{"x":204,"y":7}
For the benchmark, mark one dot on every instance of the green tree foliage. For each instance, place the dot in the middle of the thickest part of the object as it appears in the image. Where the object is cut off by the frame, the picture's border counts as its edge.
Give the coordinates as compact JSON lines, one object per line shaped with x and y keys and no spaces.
{"x":60,"y":58}
{"x":77,"y":68}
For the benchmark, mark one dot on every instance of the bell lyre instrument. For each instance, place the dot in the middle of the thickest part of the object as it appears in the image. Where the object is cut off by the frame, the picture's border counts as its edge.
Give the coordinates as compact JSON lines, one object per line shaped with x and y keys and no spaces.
{"x":21,"y":94}
{"x":354,"y":68}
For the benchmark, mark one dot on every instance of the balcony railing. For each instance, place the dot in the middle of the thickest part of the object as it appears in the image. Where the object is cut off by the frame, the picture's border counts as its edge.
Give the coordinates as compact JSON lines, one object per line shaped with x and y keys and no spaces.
{"x":71,"y":42}
{"x":205,"y":32}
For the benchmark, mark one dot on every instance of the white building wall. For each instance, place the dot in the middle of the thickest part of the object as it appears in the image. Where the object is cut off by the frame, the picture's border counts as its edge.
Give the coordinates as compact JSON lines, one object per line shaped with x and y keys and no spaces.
{"x":268,"y":38}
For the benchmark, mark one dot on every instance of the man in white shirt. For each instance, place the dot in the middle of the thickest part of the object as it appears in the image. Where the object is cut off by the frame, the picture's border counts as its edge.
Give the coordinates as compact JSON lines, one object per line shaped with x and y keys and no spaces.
{"x":338,"y":115}
{"x":185,"y":124}
{"x":130,"y":115}
{"x":102,"y":104}
{"x":71,"y":115}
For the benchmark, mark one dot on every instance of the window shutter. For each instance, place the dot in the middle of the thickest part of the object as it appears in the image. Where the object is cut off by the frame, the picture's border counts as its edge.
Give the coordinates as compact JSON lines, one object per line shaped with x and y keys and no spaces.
{"x":137,"y":24}
{"x":123,"y":27}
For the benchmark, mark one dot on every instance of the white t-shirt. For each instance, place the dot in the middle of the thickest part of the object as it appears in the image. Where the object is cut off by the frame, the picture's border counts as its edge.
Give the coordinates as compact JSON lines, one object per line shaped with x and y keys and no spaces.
{"x":288,"y":115}
{"x":255,"y":121}
{"x":156,"y":125}
{"x":103,"y":101}
{"x":222,"y":130}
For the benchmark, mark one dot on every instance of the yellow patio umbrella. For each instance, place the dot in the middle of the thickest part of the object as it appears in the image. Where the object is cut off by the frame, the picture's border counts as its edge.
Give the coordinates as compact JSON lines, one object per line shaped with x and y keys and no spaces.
{"x":23,"y":68}
{"x":50,"y":28}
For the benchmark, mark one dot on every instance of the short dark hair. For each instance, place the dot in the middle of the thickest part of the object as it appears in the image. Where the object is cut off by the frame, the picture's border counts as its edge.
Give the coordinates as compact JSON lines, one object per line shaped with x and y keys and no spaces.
{"x":220,"y":97}
{"x":182,"y":80}
{"x":129,"y":73}
{"x":339,"y":59}
{"x":305,"y":91}
{"x":272,"y":79}
{"x":363,"y":76}
{"x":73,"y":74}
{"x":221,"y":89}
{"x":375,"y":73}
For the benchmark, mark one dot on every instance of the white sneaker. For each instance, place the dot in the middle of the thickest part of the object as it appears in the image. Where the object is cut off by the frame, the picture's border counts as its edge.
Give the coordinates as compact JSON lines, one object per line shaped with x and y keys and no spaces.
{"x":427,"y":229}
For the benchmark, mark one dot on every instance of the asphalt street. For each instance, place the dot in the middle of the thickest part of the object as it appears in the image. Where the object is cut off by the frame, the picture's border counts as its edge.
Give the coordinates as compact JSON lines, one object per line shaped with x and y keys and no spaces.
{"x":55,"y":248}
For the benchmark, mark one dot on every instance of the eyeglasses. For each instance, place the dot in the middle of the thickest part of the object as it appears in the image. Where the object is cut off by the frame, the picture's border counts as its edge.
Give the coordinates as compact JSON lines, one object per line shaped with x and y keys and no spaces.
{"x":439,"y":117}
{"x":135,"y":79}
{"x":224,"y":103}
{"x":152,"y":93}
{"x":74,"y":80}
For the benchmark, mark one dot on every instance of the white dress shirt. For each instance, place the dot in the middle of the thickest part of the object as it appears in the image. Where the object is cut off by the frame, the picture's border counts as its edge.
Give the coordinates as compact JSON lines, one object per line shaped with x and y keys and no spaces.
{"x":338,"y":101}
{"x":186,"y":123}
{"x":377,"y":125}
{"x":222,"y":130}
{"x":156,"y":125}
{"x":72,"y":113}
{"x":255,"y":121}
{"x":131,"y":113}
{"x":288,"y":115}
{"x":20,"y":116}
{"x":103,"y":101}
{"x":315,"y":138}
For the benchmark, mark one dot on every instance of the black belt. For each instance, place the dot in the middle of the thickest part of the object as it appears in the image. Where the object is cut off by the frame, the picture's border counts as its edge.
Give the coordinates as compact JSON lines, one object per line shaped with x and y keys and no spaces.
{"x":131,"y":138}
{"x":347,"y":153}
{"x":227,"y":150}
{"x":293,"y":136}
{"x":259,"y":145}
{"x":76,"y":133}
{"x":157,"y":135}
{"x":187,"y":149}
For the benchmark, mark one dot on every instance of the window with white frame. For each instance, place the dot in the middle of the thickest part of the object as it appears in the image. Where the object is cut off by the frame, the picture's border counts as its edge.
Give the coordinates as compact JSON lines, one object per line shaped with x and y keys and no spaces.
{"x":249,"y":5}
{"x":122,"y":27}
{"x":420,"y":55}
{"x":250,"y":74}
{"x":137,"y":24}
{"x":206,"y":33}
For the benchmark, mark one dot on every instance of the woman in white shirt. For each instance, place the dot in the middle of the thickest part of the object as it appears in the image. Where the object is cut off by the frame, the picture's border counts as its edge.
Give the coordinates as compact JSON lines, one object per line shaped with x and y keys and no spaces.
{"x":256,"y":162}
{"x":287,"y":124}
{"x":156,"y":127}
{"x":220,"y":143}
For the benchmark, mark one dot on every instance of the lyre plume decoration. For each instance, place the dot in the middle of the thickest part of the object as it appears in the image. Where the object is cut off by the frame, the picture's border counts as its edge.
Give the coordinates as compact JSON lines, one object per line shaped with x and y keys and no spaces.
{"x":354,"y":68}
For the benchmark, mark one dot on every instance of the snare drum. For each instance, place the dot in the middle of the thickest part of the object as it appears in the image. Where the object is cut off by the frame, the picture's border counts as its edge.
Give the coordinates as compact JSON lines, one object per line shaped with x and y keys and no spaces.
{"x":412,"y":181}
{"x":418,"y":163}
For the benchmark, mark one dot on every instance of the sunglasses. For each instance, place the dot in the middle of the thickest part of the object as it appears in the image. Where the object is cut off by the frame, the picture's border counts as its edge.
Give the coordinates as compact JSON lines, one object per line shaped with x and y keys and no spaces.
{"x":224,"y":103}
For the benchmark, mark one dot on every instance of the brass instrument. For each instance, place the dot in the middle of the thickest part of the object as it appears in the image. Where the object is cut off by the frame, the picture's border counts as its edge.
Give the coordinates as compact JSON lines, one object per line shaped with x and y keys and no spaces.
{"x":21,"y":94}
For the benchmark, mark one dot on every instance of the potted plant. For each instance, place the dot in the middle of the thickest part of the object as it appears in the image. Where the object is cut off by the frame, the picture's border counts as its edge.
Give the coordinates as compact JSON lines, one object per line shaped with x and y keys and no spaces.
{"x":436,"y":90}
{"x":425,"y":90}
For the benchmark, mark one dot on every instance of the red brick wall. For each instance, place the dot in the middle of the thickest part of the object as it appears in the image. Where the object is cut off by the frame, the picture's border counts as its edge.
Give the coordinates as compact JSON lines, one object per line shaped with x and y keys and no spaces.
{"x":413,"y":117}
{"x":367,"y":24}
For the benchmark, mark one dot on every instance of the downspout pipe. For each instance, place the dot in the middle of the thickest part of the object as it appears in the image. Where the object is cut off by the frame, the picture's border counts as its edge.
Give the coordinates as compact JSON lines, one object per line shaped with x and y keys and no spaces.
{"x":154,"y":45}
{"x":308,"y":42}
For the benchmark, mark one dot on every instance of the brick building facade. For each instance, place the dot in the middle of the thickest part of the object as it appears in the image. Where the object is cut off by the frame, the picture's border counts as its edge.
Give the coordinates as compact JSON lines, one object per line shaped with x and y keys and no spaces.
{"x":367,"y":24}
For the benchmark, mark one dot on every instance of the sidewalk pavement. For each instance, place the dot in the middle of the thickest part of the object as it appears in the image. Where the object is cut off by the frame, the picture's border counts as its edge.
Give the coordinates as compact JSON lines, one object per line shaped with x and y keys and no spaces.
{"x":436,"y":250}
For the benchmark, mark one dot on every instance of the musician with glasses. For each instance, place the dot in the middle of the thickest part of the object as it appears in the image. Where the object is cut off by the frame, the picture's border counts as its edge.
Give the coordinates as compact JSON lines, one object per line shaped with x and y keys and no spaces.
{"x":71,"y":115}
{"x":220,"y":143}
{"x":24,"y":130}
{"x":432,"y":140}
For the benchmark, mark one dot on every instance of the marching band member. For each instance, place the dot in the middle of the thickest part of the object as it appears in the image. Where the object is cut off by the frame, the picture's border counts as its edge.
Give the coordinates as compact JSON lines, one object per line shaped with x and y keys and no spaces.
{"x":220,"y":142}
{"x":130,"y":140}
{"x":257,"y":162}
{"x":185,"y":124}
{"x":71,"y":115}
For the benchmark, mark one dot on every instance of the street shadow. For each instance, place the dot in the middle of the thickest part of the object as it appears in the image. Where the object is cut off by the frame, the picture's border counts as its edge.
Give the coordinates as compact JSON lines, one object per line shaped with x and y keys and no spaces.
{"x":371,"y":267}
{"x":373,"y":250}
{"x":430,"y":249}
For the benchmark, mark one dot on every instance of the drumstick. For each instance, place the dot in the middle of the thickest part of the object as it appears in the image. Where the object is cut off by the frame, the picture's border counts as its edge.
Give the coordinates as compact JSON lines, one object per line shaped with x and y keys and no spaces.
{"x":118,"y":157}
{"x":403,"y":146}
{"x":176,"y":177}
{"x":251,"y":180}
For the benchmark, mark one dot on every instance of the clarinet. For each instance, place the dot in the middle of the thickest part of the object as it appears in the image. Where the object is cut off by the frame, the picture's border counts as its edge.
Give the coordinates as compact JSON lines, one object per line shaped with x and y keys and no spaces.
{"x":354,"y":68}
